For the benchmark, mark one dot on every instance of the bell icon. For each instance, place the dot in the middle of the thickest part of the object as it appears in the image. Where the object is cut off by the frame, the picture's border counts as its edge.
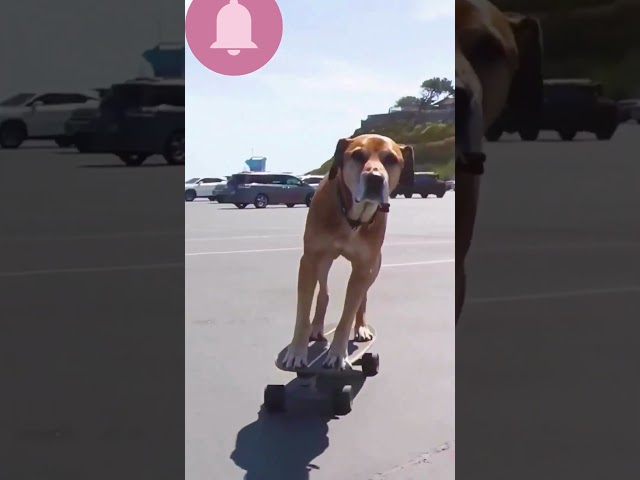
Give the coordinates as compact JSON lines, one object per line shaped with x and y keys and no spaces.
{"x":233,"y":29}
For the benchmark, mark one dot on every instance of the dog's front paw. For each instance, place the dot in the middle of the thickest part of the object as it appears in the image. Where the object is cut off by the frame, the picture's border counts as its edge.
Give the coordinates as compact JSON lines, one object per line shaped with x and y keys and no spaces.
{"x":317,"y":333}
{"x":337,"y":360}
{"x":296,"y":357}
{"x":362,"y":334}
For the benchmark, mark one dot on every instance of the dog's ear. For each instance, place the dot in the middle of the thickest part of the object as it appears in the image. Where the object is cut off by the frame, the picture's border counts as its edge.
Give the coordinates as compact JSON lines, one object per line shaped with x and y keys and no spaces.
{"x":338,"y":157}
{"x":525,"y":94}
{"x":406,"y":176}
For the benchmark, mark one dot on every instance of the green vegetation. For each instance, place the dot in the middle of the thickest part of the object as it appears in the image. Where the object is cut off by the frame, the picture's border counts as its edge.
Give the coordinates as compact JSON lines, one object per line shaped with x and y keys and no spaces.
{"x":589,"y":38}
{"x":431,"y":91}
{"x":433,"y":143}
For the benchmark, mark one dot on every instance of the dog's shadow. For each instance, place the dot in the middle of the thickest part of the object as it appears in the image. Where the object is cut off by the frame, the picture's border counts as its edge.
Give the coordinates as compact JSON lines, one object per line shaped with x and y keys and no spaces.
{"x":283,"y":446}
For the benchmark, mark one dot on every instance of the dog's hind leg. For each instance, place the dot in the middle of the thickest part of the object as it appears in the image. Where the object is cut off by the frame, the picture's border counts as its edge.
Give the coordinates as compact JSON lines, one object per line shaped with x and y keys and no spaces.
{"x":296,"y":356}
{"x":361,"y":332}
{"x":322,"y":300}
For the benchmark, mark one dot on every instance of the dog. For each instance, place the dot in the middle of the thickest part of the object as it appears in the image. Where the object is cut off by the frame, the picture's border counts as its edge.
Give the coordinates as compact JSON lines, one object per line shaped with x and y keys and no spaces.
{"x":498,"y":65}
{"x":347,"y":217}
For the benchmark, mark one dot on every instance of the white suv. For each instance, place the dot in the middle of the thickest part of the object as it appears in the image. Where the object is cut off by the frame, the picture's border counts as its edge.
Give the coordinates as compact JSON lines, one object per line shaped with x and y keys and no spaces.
{"x":201,"y":187}
{"x":39,"y":116}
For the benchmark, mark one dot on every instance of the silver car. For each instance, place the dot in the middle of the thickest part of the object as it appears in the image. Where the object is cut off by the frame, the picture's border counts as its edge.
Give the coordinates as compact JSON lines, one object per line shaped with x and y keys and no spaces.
{"x":263,"y":188}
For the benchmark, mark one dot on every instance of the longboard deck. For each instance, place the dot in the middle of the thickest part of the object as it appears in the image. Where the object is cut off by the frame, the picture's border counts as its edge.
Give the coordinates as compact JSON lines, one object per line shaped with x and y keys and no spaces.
{"x":318,"y":353}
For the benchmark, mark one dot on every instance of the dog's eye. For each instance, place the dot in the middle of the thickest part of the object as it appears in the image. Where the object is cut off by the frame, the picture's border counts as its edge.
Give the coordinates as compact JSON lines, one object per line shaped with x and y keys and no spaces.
{"x":389,"y":160}
{"x":360,"y":155}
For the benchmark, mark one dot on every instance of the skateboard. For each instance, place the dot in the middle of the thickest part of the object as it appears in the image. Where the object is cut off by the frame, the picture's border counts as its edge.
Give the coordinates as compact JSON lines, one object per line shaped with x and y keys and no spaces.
{"x":275,"y":396}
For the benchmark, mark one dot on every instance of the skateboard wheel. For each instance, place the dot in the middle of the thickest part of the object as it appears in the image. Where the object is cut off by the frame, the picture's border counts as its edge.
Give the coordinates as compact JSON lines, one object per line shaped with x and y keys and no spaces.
{"x":343,"y":400}
{"x":370,"y":364}
{"x":275,"y":398}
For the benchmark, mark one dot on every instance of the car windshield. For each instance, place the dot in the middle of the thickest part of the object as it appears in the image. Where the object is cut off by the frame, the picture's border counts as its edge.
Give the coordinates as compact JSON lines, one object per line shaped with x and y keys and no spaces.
{"x":571,"y":93}
{"x":193,"y":180}
{"x":16,"y":100}
{"x":143,"y":95}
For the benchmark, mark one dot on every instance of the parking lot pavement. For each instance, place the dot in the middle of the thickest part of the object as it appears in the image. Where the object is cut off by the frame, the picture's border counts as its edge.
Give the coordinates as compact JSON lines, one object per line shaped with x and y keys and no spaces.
{"x":241,"y":274}
{"x":91,"y":306}
{"x":553,"y":300}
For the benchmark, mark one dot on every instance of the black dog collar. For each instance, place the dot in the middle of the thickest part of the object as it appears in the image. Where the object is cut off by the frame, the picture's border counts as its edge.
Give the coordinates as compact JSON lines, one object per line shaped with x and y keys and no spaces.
{"x":355,"y":224}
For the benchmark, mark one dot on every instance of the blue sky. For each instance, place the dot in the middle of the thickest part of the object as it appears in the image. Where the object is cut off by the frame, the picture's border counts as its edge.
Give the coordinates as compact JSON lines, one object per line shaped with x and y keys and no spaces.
{"x":338,"y":62}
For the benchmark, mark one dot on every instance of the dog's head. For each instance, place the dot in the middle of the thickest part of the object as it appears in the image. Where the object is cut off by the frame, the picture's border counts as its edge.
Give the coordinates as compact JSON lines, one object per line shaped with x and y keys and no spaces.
{"x":498,"y":66}
{"x":372,"y":166}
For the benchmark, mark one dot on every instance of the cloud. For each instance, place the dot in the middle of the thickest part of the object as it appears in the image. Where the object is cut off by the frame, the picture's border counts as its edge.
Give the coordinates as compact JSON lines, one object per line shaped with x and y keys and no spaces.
{"x":430,"y":10}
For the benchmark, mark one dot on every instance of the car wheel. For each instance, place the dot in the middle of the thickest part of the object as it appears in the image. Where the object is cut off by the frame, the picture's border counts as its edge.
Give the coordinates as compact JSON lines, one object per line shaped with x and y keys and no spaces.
{"x":174,"y":153}
{"x":408,"y":195}
{"x":440,"y":195}
{"x":307,"y":201}
{"x":605,"y":134}
{"x":393,"y":195}
{"x":64,"y":142}
{"x":493,"y":135}
{"x":529,"y":135}
{"x":133,"y":159}
{"x":261,"y":201}
{"x":213,"y":198}
{"x":567,"y":135}
{"x":190,"y":195}
{"x":240,"y":205}
{"x":12,"y":134}
{"x":291,"y":205}
{"x":424,"y":195}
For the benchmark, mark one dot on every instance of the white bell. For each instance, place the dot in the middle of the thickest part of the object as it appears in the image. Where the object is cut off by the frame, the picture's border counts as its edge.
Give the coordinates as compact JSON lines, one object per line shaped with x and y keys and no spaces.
{"x":233,"y":29}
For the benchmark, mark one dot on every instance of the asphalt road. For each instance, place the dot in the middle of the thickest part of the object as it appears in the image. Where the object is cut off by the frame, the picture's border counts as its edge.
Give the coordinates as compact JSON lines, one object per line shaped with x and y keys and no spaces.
{"x":548,"y":345}
{"x":241,"y":269}
{"x":91,"y":301}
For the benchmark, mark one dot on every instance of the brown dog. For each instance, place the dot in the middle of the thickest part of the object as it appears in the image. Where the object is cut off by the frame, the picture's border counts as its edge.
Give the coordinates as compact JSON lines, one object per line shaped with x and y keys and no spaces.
{"x":498,"y":65}
{"x":348,"y":217}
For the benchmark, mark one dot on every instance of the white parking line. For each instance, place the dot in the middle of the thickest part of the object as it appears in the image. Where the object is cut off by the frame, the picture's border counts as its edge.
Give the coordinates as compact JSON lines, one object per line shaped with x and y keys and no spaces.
{"x":202,"y":239}
{"x":290,"y":249}
{"x":411,"y":264}
{"x":557,"y":246}
{"x":122,"y":268}
{"x":555,"y":295}
{"x":239,"y":229}
{"x":96,"y":236}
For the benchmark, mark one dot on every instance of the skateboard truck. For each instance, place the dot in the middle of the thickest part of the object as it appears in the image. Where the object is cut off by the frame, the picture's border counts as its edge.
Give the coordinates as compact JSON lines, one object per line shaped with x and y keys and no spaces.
{"x":275,"y":396}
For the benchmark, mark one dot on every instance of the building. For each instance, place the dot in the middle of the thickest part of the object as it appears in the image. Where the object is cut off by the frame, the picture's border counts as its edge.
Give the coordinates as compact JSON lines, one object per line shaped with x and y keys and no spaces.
{"x":166,"y":59}
{"x":256,"y":164}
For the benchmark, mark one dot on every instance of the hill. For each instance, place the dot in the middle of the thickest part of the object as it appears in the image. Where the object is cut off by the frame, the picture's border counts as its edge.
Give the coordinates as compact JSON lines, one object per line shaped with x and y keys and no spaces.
{"x":433,"y":144}
{"x":589,"y":38}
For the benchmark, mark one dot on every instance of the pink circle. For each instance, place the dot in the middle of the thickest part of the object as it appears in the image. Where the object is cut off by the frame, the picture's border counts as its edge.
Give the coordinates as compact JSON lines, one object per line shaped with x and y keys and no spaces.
{"x":245,"y":34}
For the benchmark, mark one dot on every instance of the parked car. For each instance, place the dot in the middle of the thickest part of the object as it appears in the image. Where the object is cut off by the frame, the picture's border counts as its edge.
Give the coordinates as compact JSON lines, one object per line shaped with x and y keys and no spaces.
{"x":201,"y":188}
{"x":629,"y":110}
{"x":451,"y":185}
{"x":263,"y":188}
{"x":135,"y":120}
{"x":570,"y":106}
{"x":424,"y":184}
{"x":313,"y":180}
{"x":39,"y":116}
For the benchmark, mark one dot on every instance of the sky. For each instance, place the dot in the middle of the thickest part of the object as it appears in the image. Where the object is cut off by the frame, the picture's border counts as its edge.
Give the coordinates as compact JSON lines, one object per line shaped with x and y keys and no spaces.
{"x":78,"y":45}
{"x":328,"y":74}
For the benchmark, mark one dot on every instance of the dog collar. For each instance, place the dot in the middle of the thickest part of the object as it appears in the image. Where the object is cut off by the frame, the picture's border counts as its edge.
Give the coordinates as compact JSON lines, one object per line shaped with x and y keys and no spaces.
{"x":355,"y":224}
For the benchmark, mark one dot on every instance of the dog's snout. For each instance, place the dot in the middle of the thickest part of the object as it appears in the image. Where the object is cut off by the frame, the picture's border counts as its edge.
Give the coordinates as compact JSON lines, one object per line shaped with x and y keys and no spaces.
{"x":374,"y":182}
